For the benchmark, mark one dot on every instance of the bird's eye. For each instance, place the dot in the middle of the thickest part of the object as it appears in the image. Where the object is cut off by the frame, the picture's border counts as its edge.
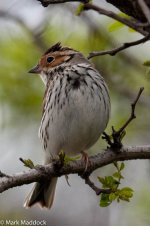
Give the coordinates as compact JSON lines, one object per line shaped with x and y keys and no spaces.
{"x":50,"y":59}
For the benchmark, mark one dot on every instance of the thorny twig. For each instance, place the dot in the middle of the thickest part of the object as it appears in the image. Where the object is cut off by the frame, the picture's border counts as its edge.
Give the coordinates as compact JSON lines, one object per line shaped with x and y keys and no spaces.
{"x":117,"y":135}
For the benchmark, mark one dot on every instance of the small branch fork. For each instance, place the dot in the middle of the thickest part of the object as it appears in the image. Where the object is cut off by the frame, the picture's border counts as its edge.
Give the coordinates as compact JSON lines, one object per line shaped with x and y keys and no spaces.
{"x":114,"y":51}
{"x":115,"y":145}
{"x":119,"y":134}
{"x":132,"y":116}
{"x":97,"y":190}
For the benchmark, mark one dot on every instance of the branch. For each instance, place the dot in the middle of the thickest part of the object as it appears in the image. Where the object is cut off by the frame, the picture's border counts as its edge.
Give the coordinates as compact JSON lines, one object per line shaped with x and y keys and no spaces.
{"x":97,"y":190}
{"x":145,"y":9}
{"x":76,"y":167}
{"x":88,"y":6}
{"x":132,"y":116}
{"x":117,"y":135}
{"x":114,"y":51}
{"x":45,"y":3}
{"x":112,"y":15}
{"x":131,"y":8}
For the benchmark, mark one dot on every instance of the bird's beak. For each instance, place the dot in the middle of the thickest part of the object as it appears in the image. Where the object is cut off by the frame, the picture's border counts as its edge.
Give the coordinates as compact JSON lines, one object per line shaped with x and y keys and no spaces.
{"x":35,"y":70}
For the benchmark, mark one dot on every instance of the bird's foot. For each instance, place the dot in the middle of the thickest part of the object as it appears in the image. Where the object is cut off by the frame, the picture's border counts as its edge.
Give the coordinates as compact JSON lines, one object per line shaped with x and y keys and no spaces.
{"x":85,"y":159}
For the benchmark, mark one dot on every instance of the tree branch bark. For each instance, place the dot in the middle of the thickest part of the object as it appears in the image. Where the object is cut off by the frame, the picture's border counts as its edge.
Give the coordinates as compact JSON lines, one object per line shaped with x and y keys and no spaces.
{"x":45,"y":3}
{"x":145,"y":9}
{"x":114,"y":51}
{"x":131,"y":8}
{"x":127,"y":22}
{"x":76,"y":167}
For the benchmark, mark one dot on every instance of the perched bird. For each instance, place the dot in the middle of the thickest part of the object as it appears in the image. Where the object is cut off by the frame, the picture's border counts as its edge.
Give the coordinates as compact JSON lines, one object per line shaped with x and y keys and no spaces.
{"x":75,"y":112}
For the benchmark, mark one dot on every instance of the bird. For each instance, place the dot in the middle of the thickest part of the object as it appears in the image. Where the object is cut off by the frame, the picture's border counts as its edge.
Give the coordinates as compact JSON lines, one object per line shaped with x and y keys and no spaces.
{"x":76,"y":111}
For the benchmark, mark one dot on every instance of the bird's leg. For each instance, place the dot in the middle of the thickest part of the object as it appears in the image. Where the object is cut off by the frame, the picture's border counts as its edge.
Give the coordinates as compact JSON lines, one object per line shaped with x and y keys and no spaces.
{"x":85,"y":159}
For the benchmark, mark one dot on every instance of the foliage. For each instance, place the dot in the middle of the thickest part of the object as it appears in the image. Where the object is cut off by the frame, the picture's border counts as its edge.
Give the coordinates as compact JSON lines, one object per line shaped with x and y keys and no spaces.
{"x":28,"y":163}
{"x":147,"y":64}
{"x":112,"y":183}
{"x":23,"y":93}
{"x":116,"y":25}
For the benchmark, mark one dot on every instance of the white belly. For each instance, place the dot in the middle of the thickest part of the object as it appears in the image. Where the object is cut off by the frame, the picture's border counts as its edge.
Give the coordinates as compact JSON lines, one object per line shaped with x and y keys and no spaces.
{"x":77,"y":125}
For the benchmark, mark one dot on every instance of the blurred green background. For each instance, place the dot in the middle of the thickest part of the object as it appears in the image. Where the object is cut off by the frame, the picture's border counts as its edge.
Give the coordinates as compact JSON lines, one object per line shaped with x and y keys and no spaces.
{"x":26,"y":31}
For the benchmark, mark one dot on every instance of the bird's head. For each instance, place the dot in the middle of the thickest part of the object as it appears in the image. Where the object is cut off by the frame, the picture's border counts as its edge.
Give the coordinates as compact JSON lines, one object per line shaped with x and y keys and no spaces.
{"x":53,"y":57}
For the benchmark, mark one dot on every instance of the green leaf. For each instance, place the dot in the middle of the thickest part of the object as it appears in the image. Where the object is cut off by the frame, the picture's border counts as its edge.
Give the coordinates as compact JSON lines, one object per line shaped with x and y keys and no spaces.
{"x":116,"y":164}
{"x":68,"y":159}
{"x":148,"y":72}
{"x":112,"y":197}
{"x":27,"y":163}
{"x":117,"y":175}
{"x":122,"y":166}
{"x":125,"y":194}
{"x":127,"y":189}
{"x":110,"y":182}
{"x":118,"y":25}
{"x":79,"y":9}
{"x":124,"y":198}
{"x":101,"y":180}
{"x":104,"y":201}
{"x":147,"y":63}
{"x":115,"y":26}
{"x":104,"y":204}
{"x":131,"y":30}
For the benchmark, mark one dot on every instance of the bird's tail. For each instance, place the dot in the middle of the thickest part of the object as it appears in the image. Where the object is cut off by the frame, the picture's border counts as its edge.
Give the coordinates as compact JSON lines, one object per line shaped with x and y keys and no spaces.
{"x":42,"y":193}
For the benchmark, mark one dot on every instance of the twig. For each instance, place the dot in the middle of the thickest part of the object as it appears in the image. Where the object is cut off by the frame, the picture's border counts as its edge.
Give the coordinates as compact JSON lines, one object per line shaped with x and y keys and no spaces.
{"x":100,"y":32}
{"x":145,"y":9}
{"x":75,"y":167}
{"x":146,"y":24}
{"x":97,"y":190}
{"x":113,"y":15}
{"x":4,"y":175}
{"x":89,"y":6}
{"x":132,"y":116}
{"x":118,"y":135}
{"x":126,"y":45}
{"x":131,"y":8}
{"x":45,"y":3}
